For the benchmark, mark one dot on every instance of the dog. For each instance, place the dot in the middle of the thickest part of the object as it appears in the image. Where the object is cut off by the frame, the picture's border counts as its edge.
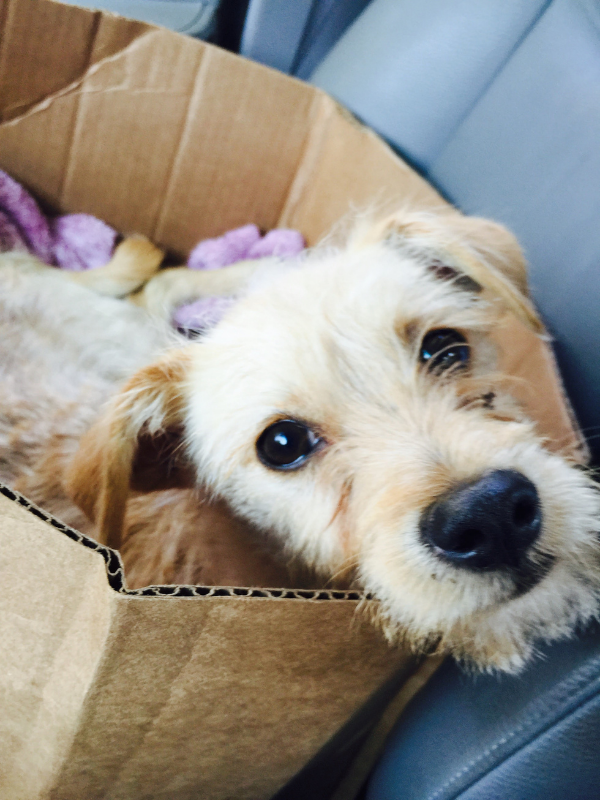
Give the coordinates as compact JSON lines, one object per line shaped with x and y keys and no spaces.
{"x":348,"y":408}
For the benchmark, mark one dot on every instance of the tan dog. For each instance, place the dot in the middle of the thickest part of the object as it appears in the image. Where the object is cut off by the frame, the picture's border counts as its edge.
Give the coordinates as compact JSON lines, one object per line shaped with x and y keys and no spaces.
{"x":349,"y":407}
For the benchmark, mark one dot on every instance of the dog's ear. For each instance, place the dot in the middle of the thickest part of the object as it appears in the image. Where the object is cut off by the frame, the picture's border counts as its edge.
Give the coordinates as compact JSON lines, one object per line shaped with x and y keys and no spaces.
{"x":481,"y":249}
{"x":134,"y":445}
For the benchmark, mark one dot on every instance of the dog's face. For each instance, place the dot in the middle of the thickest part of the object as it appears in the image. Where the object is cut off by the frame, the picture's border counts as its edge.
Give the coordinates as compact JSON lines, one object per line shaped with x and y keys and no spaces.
{"x":351,"y":406}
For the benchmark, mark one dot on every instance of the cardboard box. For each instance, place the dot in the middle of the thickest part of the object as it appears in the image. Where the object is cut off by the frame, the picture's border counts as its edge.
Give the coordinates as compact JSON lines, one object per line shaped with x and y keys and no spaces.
{"x":180,"y":692}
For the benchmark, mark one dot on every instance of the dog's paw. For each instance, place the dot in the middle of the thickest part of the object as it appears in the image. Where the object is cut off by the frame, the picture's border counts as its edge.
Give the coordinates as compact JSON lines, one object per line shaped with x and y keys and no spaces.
{"x":133,"y":263}
{"x":136,"y":259}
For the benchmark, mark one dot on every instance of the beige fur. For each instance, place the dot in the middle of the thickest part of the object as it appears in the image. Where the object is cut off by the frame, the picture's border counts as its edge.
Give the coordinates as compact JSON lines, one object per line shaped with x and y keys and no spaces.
{"x":128,"y":270}
{"x":333,"y":340}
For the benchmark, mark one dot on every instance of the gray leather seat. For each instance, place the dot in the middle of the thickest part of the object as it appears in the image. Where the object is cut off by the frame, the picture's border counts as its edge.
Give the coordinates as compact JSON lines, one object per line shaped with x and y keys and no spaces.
{"x":194,"y":17}
{"x":294,"y":37}
{"x":535,"y":737}
{"x":497,"y":102}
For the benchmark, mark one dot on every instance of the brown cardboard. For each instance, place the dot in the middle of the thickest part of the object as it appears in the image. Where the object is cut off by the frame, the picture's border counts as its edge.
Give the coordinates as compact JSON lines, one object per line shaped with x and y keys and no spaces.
{"x":537,"y":385}
{"x":115,"y":694}
{"x":180,"y":692}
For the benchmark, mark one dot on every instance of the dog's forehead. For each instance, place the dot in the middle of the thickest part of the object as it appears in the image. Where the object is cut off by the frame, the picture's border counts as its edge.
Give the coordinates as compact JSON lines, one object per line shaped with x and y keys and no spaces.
{"x":336,"y":325}
{"x":342,"y":297}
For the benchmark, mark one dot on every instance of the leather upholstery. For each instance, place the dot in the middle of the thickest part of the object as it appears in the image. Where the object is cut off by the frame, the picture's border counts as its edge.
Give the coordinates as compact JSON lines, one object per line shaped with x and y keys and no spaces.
{"x":423,"y":65}
{"x":531,"y":737}
{"x":294,"y":36}
{"x":273,"y":31}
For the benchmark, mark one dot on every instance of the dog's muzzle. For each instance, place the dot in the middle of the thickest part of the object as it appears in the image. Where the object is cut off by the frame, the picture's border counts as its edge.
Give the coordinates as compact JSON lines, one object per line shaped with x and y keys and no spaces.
{"x":485,"y":525}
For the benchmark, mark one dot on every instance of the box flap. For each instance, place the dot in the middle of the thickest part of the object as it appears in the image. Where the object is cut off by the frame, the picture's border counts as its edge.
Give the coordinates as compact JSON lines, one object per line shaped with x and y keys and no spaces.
{"x":165,"y":685}
{"x":345,"y":169}
{"x":56,"y":45}
{"x":208,"y":140}
{"x":52,"y":643}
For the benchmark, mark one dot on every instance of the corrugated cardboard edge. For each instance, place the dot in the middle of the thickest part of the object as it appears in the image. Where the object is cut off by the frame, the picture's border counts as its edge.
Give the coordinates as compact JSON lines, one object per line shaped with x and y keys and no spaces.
{"x":116,"y":576}
{"x":126,"y":676}
{"x":51,"y":645}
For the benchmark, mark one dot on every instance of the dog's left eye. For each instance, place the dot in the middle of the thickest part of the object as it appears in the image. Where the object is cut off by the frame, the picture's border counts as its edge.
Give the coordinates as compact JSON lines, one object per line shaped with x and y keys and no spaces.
{"x":444,"y":348}
{"x":286,"y":444}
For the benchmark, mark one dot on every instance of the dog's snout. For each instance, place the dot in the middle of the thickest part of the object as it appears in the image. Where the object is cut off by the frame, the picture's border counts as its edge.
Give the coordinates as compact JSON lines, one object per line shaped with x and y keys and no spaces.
{"x":485,"y":525}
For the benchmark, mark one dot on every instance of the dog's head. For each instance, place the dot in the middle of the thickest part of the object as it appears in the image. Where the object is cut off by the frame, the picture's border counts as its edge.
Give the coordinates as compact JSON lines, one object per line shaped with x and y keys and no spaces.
{"x":351,"y":405}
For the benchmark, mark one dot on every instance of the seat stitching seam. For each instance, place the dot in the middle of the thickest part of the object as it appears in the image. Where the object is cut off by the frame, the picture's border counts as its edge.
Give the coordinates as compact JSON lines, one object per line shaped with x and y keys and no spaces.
{"x":570,"y":692}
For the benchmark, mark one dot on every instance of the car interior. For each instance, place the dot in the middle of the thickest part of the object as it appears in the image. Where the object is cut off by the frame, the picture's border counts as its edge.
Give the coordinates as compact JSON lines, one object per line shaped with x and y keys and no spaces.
{"x":497,"y":104}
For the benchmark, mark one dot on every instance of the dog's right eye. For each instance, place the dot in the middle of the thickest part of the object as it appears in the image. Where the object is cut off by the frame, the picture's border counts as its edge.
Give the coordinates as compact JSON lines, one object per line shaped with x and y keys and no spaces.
{"x":286,"y":444}
{"x":444,"y":348}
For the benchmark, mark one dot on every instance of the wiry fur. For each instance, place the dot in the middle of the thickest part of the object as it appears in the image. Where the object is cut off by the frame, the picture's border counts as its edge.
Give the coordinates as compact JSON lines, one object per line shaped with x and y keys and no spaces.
{"x":334,"y":340}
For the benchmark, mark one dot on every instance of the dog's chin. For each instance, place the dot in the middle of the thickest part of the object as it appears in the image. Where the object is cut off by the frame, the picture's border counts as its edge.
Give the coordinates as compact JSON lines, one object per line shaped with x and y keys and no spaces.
{"x":541,"y":602}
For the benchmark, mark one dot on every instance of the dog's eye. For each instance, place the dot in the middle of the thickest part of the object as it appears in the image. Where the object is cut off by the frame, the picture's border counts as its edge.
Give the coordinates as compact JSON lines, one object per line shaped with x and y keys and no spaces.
{"x":444,"y":348}
{"x":286,"y":444}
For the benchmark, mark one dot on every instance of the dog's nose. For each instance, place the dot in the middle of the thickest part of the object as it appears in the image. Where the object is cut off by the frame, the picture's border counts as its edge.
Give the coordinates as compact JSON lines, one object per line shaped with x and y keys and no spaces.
{"x":485,"y":525}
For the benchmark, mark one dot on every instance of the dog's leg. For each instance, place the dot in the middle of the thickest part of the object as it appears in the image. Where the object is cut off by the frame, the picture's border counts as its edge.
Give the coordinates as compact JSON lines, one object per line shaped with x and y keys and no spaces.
{"x":134,"y":262}
{"x":178,"y":285}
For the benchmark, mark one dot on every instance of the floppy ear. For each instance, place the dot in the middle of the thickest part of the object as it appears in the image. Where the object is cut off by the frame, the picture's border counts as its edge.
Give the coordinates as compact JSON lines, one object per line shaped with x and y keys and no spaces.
{"x":481,"y":249}
{"x":134,"y":445}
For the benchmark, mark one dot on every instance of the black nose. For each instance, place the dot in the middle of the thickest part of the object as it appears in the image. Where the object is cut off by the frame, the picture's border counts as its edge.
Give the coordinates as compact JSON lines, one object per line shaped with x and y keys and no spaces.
{"x":485,"y":525}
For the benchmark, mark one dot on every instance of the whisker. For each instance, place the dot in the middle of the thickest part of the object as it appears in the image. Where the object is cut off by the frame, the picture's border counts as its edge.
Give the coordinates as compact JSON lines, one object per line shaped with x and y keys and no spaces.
{"x":348,"y":566}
